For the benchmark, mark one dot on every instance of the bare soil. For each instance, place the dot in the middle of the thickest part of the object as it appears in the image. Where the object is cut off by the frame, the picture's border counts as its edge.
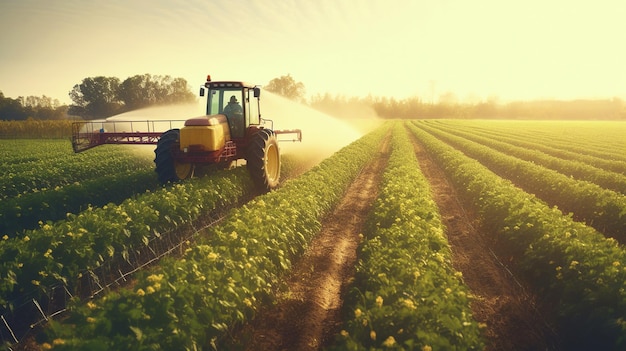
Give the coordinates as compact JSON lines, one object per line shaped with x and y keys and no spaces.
{"x":307,"y":313}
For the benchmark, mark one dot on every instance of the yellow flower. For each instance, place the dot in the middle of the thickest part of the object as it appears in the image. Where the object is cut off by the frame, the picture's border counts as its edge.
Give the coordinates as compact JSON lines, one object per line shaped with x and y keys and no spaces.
{"x":35,"y":282}
{"x":344,"y":333}
{"x":357,"y":313}
{"x":46,"y":346}
{"x":373,"y":335}
{"x":91,"y":305}
{"x":247,"y":302}
{"x":615,"y":264}
{"x":409,"y":304}
{"x":427,"y":348}
{"x":140,"y":292}
{"x":448,"y":290}
{"x":573,"y":265}
{"x":233,"y":235}
{"x":390,"y":342}
{"x":5,"y":237}
{"x":26,"y":238}
{"x":153,"y":278}
{"x":91,"y":320}
{"x":212,"y":256}
{"x":150,"y":290}
{"x":58,"y":342}
{"x":379,"y":301}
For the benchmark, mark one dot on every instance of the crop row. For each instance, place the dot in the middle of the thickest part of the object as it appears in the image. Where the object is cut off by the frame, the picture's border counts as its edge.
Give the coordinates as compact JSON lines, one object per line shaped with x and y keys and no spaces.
{"x":609,"y":158}
{"x":46,"y":173}
{"x":603,"y":209}
{"x":572,"y":266}
{"x":587,"y":137}
{"x":191,"y":303}
{"x":59,"y":252}
{"x":31,"y":210}
{"x":406,"y":294}
{"x":22,"y":151}
{"x":575,"y":169}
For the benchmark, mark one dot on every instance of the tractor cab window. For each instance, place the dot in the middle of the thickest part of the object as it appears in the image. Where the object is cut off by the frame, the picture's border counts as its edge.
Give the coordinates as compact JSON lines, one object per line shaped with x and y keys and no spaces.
{"x":252,"y":108}
{"x":228,"y":103}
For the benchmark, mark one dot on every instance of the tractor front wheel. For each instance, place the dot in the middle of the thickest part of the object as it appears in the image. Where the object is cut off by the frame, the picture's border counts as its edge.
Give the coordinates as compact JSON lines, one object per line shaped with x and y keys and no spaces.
{"x":167,"y":168}
{"x":263,"y":160}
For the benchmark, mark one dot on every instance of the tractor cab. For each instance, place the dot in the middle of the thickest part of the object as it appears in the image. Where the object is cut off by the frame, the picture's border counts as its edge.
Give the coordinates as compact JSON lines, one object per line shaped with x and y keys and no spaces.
{"x":237,"y":101}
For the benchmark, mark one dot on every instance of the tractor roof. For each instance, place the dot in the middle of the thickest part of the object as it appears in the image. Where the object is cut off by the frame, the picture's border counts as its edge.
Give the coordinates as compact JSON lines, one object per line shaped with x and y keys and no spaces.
{"x":228,"y":84}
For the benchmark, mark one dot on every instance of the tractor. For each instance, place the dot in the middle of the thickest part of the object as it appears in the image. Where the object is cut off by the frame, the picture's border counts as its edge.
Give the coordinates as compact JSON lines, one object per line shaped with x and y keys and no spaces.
{"x":232,"y":129}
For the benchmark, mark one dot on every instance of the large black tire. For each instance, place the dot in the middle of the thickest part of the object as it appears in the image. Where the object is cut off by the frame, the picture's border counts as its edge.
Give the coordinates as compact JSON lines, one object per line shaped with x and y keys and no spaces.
{"x":263,"y":160}
{"x":166,"y":166}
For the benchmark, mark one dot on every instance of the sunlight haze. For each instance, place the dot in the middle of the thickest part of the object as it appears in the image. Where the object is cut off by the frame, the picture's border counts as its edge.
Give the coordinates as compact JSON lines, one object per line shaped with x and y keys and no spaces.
{"x":475,"y":50}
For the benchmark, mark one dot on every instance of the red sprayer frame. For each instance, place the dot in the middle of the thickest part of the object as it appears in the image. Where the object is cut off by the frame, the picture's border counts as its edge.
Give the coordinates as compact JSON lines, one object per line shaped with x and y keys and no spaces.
{"x":86,"y":135}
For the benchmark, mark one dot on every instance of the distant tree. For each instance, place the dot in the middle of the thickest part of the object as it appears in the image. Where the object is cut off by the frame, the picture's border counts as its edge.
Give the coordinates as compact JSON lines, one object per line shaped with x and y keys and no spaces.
{"x":179,"y":91}
{"x":11,"y":109}
{"x":146,"y":90}
{"x":33,"y":107}
{"x":287,"y":87}
{"x":96,"y":97}
{"x":43,"y":107}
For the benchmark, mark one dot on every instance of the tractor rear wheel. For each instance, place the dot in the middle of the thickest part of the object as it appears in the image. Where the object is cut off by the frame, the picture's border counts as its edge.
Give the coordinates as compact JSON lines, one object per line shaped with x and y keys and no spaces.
{"x":167,"y":168}
{"x":263,"y":160}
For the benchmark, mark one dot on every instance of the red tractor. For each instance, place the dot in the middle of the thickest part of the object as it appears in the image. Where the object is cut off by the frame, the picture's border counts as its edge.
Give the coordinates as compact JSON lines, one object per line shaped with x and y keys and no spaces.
{"x":232,"y":129}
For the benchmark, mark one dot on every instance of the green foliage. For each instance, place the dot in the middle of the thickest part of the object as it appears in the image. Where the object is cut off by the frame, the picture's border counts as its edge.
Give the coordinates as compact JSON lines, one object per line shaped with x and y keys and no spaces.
{"x":571,"y":168}
{"x":572,"y":266}
{"x":603,"y":209}
{"x":193,"y":302}
{"x":96,"y":97}
{"x":59,"y":252}
{"x":406,"y":294}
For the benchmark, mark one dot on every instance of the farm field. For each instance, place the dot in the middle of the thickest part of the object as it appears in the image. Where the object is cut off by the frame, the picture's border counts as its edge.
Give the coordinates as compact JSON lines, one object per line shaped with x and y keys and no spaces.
{"x":421,"y":235}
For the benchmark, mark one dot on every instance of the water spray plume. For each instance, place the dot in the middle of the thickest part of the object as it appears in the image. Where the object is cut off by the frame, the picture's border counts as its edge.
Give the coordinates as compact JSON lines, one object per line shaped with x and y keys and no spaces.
{"x":322,"y":134}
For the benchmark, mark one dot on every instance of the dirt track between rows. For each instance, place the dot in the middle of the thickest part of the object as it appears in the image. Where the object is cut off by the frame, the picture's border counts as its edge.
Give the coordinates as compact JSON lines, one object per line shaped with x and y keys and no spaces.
{"x":307,"y":314}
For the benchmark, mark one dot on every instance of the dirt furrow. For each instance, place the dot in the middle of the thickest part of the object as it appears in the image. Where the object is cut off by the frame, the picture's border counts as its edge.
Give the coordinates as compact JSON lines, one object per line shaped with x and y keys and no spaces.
{"x":501,"y":302}
{"x":307,"y":313}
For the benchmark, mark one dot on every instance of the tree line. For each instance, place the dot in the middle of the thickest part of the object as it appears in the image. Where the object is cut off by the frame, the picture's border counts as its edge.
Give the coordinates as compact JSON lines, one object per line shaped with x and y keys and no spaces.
{"x":449,"y":107}
{"x":416,"y":108}
{"x":99,"y":97}
{"x":40,"y":108}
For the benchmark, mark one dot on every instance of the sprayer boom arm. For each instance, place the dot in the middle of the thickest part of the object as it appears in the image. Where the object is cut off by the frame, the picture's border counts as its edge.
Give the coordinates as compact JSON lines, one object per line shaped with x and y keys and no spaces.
{"x":297,"y":132}
{"x":86,"y":135}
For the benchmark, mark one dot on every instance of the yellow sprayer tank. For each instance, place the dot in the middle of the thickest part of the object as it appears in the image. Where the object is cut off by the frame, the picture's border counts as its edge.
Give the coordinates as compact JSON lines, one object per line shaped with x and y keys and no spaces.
{"x":205,"y":133}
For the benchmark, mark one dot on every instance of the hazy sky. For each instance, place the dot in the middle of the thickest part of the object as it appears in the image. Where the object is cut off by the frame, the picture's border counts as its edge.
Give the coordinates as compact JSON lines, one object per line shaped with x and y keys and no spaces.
{"x":475,"y":49}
